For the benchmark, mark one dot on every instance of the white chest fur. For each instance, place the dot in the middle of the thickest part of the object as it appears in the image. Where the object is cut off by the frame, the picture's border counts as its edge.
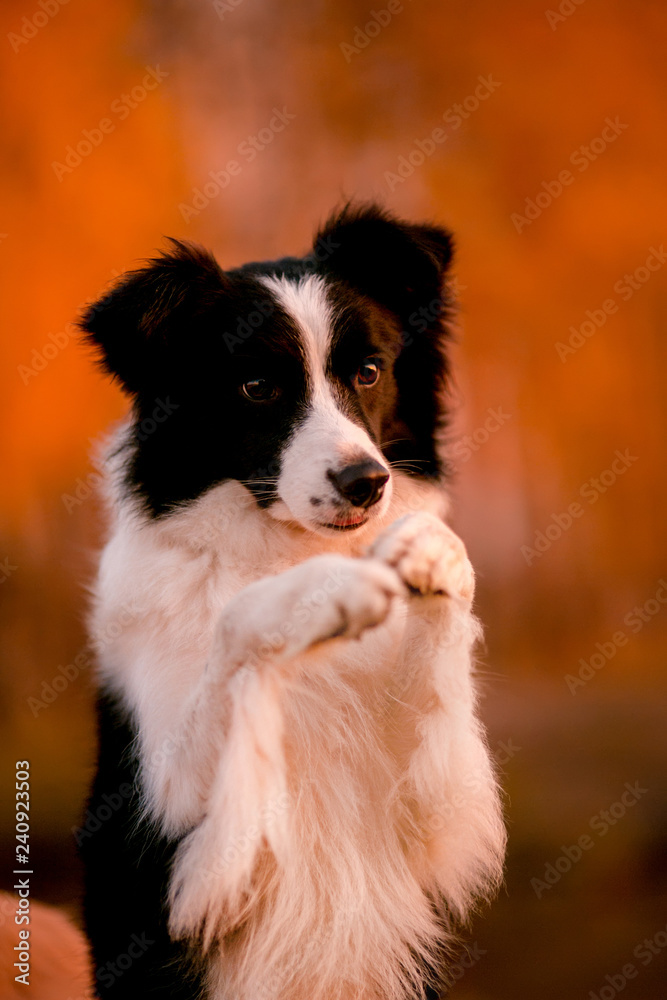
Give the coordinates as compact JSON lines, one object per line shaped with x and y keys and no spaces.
{"x":309,"y":729}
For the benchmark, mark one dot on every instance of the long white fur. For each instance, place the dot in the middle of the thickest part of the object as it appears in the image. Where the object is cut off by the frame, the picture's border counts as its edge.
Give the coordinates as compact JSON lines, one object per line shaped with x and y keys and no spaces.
{"x":307,"y":724}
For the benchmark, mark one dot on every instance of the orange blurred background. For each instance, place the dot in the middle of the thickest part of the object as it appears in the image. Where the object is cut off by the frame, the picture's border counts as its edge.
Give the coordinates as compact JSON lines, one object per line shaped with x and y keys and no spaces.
{"x":537,"y":134}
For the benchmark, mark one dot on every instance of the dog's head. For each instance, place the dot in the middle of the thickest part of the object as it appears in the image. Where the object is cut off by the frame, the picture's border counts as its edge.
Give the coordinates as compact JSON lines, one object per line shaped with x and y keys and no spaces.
{"x":308,"y":380}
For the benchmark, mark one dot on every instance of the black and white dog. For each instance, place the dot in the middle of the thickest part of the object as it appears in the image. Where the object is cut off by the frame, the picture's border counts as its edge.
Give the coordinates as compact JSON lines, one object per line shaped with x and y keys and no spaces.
{"x":297,"y":797}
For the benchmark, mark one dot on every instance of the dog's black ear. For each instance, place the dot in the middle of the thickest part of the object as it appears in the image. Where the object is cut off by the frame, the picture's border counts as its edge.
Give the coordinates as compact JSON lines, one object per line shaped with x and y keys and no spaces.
{"x":140,"y":327}
{"x":401,"y":266}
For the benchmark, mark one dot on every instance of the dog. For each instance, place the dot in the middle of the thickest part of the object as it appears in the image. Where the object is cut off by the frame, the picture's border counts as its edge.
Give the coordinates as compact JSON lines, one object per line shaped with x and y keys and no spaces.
{"x":294,"y":797}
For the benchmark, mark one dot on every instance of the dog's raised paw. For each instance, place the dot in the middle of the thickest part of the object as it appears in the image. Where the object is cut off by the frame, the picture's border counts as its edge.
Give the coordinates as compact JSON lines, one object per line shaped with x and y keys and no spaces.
{"x":428,"y":556}
{"x":362,"y":600}
{"x":326,"y":597}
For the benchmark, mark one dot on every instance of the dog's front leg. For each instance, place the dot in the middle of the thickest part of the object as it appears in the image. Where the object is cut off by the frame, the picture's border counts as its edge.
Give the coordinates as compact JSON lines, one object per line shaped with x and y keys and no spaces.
{"x":448,"y":778}
{"x":261,"y":639}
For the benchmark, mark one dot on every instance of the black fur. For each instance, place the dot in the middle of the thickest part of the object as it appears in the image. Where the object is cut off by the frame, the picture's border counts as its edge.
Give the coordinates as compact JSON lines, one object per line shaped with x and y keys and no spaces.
{"x":126,"y":873}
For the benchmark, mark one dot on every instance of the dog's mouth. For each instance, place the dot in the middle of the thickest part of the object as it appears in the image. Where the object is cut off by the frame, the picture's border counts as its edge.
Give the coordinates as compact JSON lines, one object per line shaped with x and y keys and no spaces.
{"x":347,"y":522}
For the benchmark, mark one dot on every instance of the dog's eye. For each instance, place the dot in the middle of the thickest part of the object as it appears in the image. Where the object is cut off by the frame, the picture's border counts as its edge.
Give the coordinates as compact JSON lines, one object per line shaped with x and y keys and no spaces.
{"x":369,"y":372}
{"x":260,"y":390}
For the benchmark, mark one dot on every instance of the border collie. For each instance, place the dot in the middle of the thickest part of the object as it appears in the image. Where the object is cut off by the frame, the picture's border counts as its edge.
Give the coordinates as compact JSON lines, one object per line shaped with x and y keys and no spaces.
{"x":294,"y":793}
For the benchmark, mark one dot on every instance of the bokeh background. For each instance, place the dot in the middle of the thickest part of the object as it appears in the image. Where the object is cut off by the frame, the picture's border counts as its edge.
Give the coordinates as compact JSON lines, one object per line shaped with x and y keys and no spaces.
{"x":114,"y":118}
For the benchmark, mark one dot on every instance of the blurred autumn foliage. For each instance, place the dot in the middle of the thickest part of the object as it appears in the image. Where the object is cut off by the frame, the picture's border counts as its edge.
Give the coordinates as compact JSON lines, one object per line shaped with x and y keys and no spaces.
{"x":538,"y":135}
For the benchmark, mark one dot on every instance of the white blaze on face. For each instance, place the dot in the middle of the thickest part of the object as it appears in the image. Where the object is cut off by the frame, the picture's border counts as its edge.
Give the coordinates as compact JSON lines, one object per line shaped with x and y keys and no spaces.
{"x":326,"y":440}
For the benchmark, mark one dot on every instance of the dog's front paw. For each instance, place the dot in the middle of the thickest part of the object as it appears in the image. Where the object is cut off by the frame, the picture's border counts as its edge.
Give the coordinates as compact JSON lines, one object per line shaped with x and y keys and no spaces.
{"x":360,"y":599}
{"x":428,"y":556}
{"x":326,"y":597}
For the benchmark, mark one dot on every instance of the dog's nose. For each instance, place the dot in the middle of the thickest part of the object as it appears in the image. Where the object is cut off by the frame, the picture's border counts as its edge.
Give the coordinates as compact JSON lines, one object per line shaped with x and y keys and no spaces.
{"x":362,"y":484}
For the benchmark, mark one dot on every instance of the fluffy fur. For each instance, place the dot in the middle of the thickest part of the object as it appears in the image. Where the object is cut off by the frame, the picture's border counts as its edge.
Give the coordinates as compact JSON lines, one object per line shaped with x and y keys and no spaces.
{"x":284,"y":629}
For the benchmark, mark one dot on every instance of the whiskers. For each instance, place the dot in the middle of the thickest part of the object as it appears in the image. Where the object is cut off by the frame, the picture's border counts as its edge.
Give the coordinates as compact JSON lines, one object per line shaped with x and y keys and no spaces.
{"x":413,"y":465}
{"x":269,"y":492}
